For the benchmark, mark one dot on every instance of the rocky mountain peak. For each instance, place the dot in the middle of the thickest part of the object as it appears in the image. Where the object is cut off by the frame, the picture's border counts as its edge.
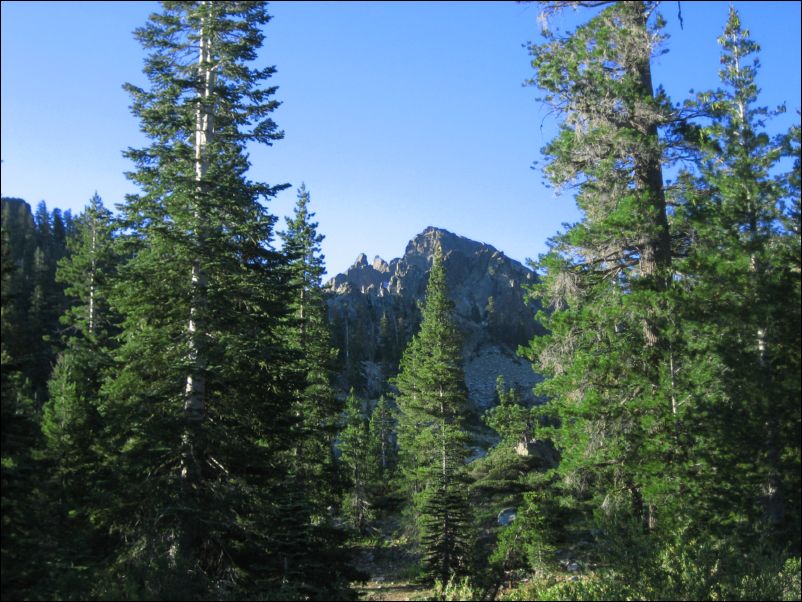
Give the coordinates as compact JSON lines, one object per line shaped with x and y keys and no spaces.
{"x":374,"y":310}
{"x":426,"y":242}
{"x":380,"y":265}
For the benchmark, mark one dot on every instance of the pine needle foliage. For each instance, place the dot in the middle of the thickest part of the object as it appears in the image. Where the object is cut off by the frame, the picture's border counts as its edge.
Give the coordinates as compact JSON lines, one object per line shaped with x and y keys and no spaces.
{"x":740,"y":299}
{"x":321,"y":558}
{"x":198,"y":410}
{"x":606,"y":280}
{"x":318,"y":408}
{"x":433,"y":441}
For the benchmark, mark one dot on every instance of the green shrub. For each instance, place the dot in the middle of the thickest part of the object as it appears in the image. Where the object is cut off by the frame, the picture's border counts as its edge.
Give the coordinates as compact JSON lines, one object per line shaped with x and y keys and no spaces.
{"x":455,"y":590}
{"x":691,"y":570}
{"x":601,"y":586}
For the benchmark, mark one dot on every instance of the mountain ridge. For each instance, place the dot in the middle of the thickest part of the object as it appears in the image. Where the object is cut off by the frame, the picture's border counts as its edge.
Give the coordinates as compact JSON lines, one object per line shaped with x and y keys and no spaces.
{"x":373,"y":308}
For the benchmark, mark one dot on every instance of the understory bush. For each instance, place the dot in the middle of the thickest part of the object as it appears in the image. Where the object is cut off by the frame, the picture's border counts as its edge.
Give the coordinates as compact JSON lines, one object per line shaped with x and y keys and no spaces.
{"x":694,"y":571}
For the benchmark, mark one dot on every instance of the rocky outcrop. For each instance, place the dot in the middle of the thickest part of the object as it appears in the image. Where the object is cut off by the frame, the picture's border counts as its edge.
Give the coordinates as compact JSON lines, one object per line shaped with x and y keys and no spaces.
{"x":374,"y":311}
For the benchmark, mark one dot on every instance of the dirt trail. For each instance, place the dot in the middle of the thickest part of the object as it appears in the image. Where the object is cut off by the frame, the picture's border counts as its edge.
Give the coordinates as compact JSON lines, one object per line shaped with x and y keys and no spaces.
{"x":379,"y":590}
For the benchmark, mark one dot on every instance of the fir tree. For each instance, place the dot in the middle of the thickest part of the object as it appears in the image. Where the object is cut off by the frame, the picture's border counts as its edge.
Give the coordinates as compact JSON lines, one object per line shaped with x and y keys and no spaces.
{"x":511,"y":476}
{"x":382,"y":442}
{"x":315,"y":475}
{"x":606,"y":280}
{"x":31,"y":300}
{"x":199,"y":406}
{"x":740,"y":303}
{"x":88,"y":272}
{"x":317,"y":407}
{"x":22,"y":536}
{"x":19,"y":239}
{"x":661,"y":325}
{"x":432,"y":400}
{"x":355,"y":451}
{"x":510,"y":417}
{"x":71,"y":422}
{"x":42,"y":299}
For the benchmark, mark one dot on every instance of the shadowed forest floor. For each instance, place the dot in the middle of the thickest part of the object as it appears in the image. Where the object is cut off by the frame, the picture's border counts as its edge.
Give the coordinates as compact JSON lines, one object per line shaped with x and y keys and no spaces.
{"x":374,"y":590}
{"x":392,"y":570}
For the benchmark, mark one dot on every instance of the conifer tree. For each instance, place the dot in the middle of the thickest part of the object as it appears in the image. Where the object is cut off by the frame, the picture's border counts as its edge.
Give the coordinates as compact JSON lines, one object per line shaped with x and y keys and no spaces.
{"x":199,"y":406}
{"x":510,"y":418}
{"x":321,"y":558}
{"x":740,"y":303}
{"x":510,"y":476}
{"x":46,"y":302}
{"x":19,"y":240}
{"x":31,"y":302}
{"x":317,"y":405}
{"x":22,"y":533}
{"x":89,"y":325}
{"x":382,"y":441}
{"x":355,"y":450}
{"x":432,"y":400}
{"x":71,"y":422}
{"x":606,"y":280}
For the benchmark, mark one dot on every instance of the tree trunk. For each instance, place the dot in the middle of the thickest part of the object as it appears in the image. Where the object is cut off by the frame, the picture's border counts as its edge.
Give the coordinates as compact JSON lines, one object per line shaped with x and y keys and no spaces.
{"x":204,"y":130}
{"x":655,"y":246}
{"x":188,"y":538}
{"x":92,"y":277}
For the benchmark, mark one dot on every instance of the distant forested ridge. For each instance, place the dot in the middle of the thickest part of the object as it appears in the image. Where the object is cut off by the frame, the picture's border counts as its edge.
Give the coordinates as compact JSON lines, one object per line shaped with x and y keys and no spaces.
{"x":33,"y":244}
{"x":189,"y":413}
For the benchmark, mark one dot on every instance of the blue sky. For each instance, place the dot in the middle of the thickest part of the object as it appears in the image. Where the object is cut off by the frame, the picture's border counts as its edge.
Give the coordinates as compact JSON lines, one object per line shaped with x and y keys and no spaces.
{"x":397,"y":115}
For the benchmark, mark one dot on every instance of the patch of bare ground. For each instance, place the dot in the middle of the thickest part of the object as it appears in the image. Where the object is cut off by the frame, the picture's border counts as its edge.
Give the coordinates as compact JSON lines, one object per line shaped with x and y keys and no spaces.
{"x":391,"y":567}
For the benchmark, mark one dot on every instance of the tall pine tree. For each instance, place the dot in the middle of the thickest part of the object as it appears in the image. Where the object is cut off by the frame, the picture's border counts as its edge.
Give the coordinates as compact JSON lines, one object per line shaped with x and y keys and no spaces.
{"x":610,"y":352}
{"x":323,"y":563}
{"x":355,"y":452}
{"x":199,"y":408}
{"x":740,"y":304}
{"x":89,"y":323}
{"x":317,"y":407}
{"x":71,"y":422}
{"x":432,"y":399}
{"x":22,"y":548}
{"x":382,"y":441}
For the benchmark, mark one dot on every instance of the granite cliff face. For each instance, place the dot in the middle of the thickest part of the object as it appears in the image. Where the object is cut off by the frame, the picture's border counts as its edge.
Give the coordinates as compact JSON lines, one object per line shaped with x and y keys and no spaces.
{"x":374,"y":310}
